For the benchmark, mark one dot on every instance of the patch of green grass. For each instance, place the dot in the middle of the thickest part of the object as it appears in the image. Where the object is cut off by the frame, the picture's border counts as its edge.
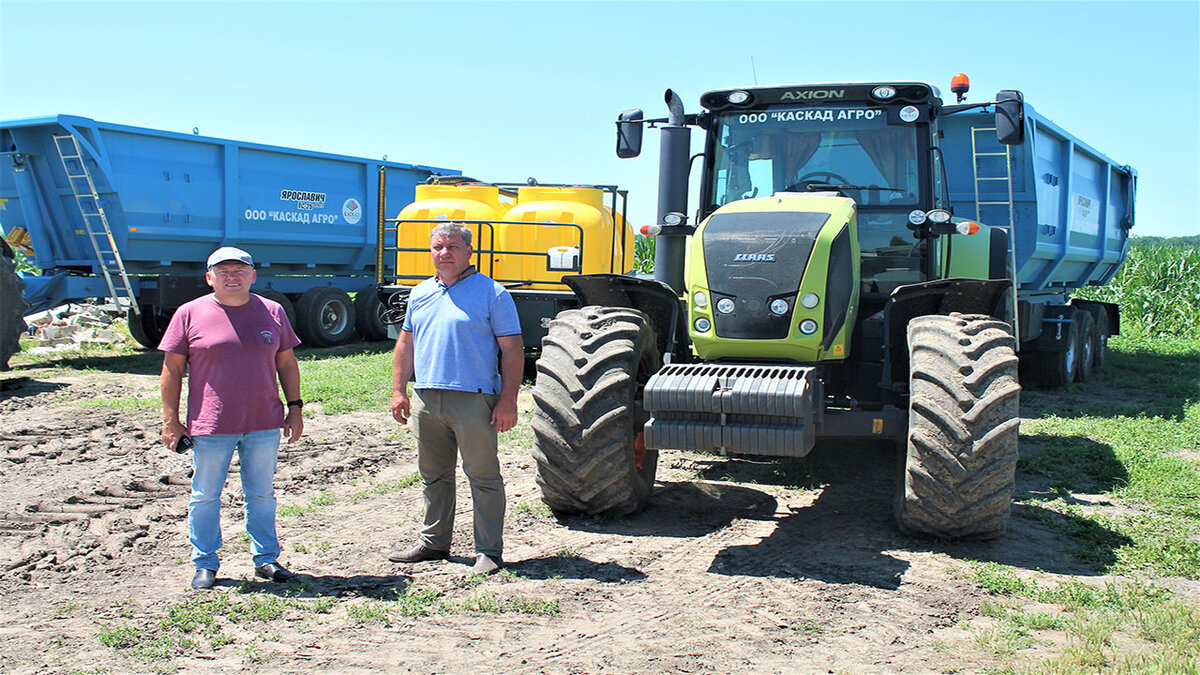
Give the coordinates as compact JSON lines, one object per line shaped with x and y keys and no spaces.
{"x":125,"y":403}
{"x":385,"y":487}
{"x":419,"y":602}
{"x":490,"y":603}
{"x":358,"y":379}
{"x":1117,"y":627}
{"x":317,"y":502}
{"x":369,"y":613}
{"x":810,"y":627}
{"x":253,"y":654}
{"x":1137,"y":448}
{"x":531,"y":507}
{"x":316,"y":547}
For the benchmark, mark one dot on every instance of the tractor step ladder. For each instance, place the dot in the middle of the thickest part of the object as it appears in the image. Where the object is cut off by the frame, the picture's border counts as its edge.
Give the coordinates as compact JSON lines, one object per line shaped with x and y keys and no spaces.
{"x":95,"y":223}
{"x":1005,"y":185}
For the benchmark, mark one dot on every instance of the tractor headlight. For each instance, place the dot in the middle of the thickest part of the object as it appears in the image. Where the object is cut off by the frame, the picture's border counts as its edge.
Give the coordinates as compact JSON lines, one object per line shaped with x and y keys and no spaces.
{"x":725,"y":305}
{"x":779,"y":306}
{"x":702,"y":325}
{"x":938,"y":216}
{"x":808,"y":326}
{"x":809,"y":300}
{"x":700,"y":299}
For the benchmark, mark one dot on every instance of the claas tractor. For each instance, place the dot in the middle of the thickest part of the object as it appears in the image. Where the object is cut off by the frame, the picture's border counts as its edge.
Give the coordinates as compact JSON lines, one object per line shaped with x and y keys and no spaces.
{"x":823,"y":290}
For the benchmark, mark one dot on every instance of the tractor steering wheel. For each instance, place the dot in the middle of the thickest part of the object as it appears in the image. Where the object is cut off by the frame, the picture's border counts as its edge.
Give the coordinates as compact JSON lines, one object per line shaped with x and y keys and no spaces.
{"x":804,"y":181}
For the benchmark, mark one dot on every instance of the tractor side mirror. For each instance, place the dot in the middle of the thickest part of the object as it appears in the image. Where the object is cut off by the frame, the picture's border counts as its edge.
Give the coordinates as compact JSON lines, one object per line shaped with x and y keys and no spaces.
{"x":1010,"y":117}
{"x":629,"y":134}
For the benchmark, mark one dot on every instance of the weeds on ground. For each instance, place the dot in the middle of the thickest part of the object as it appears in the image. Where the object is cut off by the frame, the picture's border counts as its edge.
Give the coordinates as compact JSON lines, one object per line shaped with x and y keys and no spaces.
{"x":385,"y":487}
{"x":1154,"y":628}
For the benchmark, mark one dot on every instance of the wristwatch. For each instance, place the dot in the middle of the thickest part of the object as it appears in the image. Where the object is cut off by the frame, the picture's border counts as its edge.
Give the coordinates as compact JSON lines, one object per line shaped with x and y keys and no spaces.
{"x":299,"y":403}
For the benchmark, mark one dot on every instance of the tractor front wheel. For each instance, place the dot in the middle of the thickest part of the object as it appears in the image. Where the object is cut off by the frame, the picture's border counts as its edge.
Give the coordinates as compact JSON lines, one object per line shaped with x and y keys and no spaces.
{"x":961,"y":459}
{"x":588,"y":414}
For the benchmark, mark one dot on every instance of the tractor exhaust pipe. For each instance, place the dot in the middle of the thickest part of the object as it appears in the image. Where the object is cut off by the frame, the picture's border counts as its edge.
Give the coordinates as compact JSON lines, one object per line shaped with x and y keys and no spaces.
{"x":674,"y":163}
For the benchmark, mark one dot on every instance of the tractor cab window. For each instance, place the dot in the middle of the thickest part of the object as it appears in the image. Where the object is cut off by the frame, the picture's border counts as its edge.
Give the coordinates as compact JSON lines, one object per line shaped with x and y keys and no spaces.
{"x":849,"y":149}
{"x":852,"y":149}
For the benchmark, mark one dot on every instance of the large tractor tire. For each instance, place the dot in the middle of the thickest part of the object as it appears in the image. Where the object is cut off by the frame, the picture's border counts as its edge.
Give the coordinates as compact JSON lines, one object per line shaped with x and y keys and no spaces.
{"x":961,"y":458}
{"x":588,"y":414}
{"x":12,"y":306}
{"x":325,"y":317}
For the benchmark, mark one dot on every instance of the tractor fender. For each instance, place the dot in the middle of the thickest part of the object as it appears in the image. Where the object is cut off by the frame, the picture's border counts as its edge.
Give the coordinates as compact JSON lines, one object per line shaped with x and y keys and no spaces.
{"x":653,"y":298}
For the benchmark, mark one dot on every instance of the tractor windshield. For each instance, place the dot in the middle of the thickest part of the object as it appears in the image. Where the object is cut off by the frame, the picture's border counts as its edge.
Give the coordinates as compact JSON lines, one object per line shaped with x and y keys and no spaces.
{"x":851,"y":149}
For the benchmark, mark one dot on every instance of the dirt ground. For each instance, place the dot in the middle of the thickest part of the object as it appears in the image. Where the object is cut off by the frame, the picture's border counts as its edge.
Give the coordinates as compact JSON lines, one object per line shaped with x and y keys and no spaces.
{"x":738,"y":565}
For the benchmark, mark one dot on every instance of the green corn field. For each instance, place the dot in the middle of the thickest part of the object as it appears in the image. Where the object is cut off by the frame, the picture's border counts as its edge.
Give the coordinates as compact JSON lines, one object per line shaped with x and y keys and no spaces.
{"x":1158,"y":289}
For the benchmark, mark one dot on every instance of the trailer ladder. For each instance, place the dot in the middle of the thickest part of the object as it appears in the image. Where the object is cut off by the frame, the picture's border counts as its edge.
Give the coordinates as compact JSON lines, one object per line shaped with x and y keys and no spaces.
{"x":95,"y":223}
{"x":976,"y":156}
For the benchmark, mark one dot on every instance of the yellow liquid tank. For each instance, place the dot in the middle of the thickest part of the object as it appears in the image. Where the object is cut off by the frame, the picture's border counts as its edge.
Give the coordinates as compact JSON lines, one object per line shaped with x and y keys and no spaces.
{"x":461,"y":203}
{"x":571,"y":232}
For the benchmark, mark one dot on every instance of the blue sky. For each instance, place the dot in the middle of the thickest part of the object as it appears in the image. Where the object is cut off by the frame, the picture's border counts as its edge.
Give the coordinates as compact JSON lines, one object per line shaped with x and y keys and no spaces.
{"x":505,"y":91}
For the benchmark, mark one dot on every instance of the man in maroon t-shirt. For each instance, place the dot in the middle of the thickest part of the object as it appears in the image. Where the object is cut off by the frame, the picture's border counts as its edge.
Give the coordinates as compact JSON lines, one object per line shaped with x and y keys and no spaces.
{"x":234,"y":346}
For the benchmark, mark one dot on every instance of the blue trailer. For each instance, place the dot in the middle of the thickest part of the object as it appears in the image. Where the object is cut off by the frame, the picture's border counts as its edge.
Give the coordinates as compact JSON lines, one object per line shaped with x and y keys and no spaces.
{"x":1068,"y":209}
{"x":108,"y":210}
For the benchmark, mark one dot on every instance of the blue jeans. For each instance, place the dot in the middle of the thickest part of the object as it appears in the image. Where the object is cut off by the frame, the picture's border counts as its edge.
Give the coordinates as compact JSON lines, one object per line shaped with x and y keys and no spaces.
{"x":257,"y":452}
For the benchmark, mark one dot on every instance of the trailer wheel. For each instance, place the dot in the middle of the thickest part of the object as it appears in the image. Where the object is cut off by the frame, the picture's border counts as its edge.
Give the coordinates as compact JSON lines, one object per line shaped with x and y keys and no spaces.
{"x":276,"y":296}
{"x":12,"y":306}
{"x":961,"y":458}
{"x":1086,"y":352}
{"x":147,"y":327}
{"x":1103,"y":330}
{"x":588,"y":414}
{"x":325,"y":317}
{"x":1057,"y":368}
{"x":367,"y":317}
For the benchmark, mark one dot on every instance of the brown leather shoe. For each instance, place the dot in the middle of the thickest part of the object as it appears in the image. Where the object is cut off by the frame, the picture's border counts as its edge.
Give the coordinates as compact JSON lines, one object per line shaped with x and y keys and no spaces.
{"x":417,"y":553}
{"x":485,"y":564}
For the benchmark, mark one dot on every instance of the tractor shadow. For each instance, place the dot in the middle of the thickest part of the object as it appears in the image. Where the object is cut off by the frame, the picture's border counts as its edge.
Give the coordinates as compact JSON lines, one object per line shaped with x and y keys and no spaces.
{"x":833,"y":520}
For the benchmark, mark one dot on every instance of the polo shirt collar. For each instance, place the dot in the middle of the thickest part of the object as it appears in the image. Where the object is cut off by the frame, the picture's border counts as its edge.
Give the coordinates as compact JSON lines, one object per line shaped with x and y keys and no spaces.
{"x":466,"y":273}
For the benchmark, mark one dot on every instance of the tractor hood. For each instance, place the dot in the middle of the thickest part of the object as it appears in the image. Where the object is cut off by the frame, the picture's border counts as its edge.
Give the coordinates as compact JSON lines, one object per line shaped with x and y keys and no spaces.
{"x":752,"y":260}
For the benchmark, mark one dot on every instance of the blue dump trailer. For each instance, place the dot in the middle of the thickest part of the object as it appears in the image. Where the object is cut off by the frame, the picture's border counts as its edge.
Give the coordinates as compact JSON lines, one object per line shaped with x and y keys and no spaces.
{"x":108,"y":210}
{"x":1068,"y":210}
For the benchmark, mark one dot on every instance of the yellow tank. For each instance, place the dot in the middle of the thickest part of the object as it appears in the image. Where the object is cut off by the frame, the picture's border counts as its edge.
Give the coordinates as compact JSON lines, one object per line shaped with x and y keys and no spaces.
{"x":571,"y":231}
{"x":464,"y":202}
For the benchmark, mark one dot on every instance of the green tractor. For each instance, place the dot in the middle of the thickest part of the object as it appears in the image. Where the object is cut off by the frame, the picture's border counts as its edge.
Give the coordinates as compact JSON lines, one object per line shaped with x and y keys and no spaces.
{"x":825,"y":292}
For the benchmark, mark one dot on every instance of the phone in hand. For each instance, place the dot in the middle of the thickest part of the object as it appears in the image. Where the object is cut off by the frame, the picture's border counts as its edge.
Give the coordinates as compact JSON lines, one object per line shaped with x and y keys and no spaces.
{"x":184,"y":444}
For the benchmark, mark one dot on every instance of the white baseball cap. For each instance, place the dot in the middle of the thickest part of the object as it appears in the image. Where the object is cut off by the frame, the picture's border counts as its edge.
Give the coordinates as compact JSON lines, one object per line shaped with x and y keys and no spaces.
{"x":229,"y":253}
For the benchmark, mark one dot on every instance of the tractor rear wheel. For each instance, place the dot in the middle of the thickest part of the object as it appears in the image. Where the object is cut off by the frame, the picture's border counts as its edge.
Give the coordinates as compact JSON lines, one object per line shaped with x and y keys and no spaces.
{"x":12,"y":306}
{"x":588,"y":414}
{"x":961,"y":458}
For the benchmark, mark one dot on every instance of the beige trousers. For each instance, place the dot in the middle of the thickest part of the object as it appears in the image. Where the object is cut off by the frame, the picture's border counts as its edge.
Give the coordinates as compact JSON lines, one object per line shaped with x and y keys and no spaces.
{"x":449,"y":423}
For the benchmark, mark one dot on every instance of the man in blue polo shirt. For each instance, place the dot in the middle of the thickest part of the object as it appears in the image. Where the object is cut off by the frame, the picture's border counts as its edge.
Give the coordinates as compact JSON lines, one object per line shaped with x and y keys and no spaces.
{"x":459,"y":325}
